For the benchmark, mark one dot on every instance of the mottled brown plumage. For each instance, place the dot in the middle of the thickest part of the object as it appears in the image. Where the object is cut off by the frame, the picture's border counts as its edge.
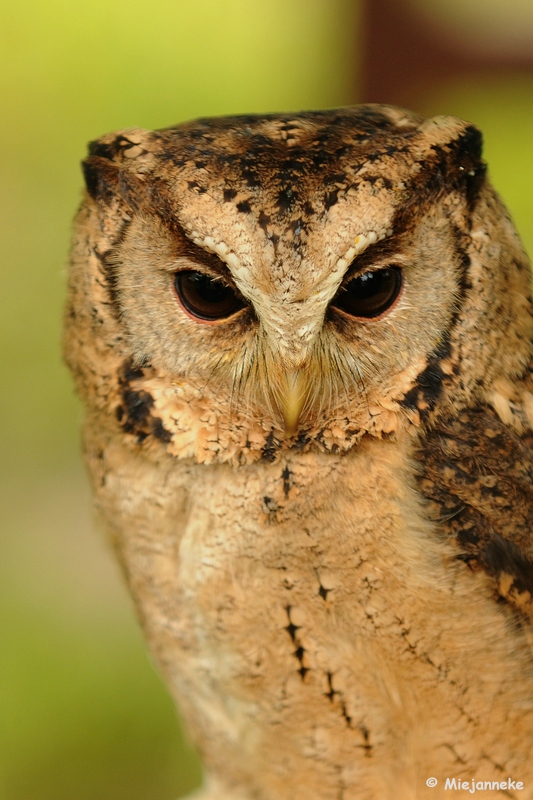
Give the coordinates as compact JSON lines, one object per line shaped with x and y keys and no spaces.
{"x":304,"y":345}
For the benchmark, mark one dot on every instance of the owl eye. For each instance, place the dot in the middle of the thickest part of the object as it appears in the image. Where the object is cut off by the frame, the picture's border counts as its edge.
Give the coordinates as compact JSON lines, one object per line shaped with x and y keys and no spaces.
{"x":205,"y":298}
{"x":371,"y":294}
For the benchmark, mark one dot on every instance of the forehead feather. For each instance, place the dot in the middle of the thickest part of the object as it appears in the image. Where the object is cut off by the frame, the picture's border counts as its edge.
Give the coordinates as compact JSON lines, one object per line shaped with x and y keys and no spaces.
{"x":277,"y":192}
{"x":286,"y":167}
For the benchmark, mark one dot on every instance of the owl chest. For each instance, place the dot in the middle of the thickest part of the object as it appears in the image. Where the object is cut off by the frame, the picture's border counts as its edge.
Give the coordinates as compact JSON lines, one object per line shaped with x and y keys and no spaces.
{"x":275,"y":564}
{"x":306,"y":615}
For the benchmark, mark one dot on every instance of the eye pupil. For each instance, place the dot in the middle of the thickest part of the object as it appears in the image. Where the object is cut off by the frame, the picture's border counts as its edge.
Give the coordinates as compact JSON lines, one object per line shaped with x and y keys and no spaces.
{"x":204,"y":297}
{"x":370,"y":294}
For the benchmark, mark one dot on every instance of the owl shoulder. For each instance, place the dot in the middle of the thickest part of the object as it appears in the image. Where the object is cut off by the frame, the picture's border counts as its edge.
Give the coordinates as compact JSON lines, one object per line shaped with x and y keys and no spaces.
{"x":476,"y":474}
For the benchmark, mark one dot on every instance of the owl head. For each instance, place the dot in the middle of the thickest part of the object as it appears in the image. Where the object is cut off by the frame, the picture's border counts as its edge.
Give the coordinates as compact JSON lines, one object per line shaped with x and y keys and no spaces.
{"x":243,"y":285}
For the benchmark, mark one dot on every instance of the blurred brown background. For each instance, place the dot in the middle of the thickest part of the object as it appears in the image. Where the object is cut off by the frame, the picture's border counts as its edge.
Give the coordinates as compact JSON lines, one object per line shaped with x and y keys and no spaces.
{"x":82,"y":713}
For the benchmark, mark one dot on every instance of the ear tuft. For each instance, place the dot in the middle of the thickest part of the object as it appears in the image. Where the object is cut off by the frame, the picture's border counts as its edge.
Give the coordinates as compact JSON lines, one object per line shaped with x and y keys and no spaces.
{"x":455,"y":148}
{"x":465,"y":155}
{"x":101,"y":178}
{"x":114,"y":163}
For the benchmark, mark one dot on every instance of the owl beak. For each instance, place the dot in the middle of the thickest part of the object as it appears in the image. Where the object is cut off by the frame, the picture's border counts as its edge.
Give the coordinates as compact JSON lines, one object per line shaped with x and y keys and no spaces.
{"x":292,"y":399}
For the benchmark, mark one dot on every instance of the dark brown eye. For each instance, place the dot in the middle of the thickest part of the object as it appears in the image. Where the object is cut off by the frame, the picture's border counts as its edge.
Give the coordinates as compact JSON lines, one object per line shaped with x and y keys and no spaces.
{"x":370,"y":294}
{"x":205,"y":298}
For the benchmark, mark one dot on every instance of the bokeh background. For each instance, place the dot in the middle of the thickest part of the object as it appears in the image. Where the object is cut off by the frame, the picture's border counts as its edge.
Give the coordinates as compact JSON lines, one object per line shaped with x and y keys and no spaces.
{"x":83,"y":715}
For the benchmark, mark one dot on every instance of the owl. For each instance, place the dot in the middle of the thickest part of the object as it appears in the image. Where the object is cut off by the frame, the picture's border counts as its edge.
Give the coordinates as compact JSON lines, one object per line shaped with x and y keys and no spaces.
{"x":304,"y":347}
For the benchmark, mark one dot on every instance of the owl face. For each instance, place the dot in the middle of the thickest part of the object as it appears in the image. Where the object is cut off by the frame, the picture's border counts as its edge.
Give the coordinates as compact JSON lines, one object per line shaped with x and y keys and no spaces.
{"x":254,"y":284}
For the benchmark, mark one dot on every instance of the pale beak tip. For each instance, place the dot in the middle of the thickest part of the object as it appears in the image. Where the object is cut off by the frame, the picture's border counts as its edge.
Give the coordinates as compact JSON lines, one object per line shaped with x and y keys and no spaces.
{"x":293,"y":399}
{"x":290,"y":427}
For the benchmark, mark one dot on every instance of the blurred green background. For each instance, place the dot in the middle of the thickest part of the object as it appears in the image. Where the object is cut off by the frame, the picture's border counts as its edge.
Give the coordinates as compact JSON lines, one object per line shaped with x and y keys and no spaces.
{"x":82,"y":713}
